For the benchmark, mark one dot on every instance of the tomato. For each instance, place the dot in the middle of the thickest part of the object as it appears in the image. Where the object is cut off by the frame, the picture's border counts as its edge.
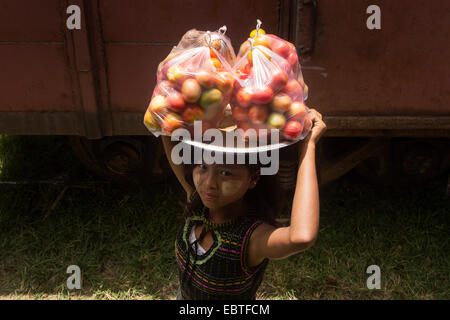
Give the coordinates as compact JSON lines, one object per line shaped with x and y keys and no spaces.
{"x":171,"y":122}
{"x":262,"y":95}
{"x":297,"y":110}
{"x":281,"y":102}
{"x":258,"y":114}
{"x":244,"y":98}
{"x":240,"y":114}
{"x":293,"y":130}
{"x":175,"y":101}
{"x":191,"y":90}
{"x":192,"y":112}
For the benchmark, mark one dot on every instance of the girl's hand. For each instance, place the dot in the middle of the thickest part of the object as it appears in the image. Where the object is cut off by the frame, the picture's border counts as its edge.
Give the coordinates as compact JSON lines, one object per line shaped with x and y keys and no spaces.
{"x":317,"y":130}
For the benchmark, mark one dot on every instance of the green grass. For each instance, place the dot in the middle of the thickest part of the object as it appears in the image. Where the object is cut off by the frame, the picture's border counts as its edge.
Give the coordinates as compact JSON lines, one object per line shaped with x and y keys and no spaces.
{"x":123,"y":240}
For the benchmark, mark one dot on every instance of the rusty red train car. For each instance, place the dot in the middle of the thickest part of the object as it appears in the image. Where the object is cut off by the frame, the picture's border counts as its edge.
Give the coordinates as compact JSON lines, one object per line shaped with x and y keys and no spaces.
{"x":384,"y":92}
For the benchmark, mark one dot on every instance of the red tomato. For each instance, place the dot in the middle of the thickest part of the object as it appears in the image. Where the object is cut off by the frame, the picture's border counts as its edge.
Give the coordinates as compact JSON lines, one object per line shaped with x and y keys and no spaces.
{"x":244,"y":98}
{"x":240,"y":114}
{"x":192,"y":112}
{"x":281,"y":48}
{"x":171,"y":122}
{"x":279,"y":80}
{"x":293,"y":130}
{"x":262,"y":95}
{"x":293,"y":59}
{"x":297,"y":110}
{"x":293,"y":89}
{"x":258,"y":114}
{"x":175,"y":101}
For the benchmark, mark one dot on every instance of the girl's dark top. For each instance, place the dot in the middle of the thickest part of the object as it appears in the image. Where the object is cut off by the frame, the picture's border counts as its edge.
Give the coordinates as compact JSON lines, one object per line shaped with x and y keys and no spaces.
{"x":220,"y":273}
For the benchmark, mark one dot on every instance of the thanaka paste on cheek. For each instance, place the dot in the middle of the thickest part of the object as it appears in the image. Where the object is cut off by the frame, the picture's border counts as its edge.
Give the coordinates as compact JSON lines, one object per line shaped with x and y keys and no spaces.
{"x":231,"y":187}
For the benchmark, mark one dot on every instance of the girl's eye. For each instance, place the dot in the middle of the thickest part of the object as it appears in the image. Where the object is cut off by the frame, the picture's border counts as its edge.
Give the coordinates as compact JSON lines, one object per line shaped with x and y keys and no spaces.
{"x":202,"y":166}
{"x":225,"y":173}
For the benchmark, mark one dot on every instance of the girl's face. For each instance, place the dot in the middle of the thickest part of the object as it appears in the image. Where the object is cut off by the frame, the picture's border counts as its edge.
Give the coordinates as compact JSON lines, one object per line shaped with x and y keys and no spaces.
{"x":221,"y":184}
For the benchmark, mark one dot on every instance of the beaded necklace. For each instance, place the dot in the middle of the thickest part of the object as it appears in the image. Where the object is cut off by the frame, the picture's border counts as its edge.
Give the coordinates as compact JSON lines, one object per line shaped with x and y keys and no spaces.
{"x":216,"y":226}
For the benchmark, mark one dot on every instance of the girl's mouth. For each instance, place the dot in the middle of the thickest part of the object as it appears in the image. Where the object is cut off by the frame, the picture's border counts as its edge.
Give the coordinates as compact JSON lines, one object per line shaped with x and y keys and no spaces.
{"x":210,"y":196}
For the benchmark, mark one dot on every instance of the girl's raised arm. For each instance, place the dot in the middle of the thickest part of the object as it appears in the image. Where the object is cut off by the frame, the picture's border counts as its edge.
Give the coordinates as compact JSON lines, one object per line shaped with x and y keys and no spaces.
{"x":177,"y":169}
{"x":278,"y":243}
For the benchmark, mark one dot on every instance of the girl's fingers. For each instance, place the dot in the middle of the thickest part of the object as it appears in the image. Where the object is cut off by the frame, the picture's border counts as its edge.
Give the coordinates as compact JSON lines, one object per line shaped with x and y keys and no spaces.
{"x":319,"y":127}
{"x":315,"y":114}
{"x":315,"y":117}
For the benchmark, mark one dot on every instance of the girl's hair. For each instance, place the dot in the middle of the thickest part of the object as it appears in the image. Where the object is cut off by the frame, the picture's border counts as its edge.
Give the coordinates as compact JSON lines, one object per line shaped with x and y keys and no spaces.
{"x":266,"y":198}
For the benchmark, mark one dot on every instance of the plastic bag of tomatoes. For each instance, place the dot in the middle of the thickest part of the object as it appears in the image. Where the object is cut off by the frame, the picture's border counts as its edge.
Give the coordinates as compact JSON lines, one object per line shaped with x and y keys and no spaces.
{"x":194,"y":82}
{"x":269,"y":91}
{"x":195,"y":38}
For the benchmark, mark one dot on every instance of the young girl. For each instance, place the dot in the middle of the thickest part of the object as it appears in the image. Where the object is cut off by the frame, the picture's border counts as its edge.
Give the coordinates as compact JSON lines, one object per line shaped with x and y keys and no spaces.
{"x":229,"y":231}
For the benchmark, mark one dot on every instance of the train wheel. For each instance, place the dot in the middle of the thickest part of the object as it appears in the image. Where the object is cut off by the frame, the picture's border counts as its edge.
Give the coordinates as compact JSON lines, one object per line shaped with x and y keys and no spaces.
{"x":407,"y":161}
{"x":132,"y":161}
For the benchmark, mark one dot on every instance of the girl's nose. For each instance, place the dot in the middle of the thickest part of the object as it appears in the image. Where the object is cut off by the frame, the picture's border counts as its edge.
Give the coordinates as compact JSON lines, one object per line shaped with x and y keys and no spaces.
{"x":210,"y":180}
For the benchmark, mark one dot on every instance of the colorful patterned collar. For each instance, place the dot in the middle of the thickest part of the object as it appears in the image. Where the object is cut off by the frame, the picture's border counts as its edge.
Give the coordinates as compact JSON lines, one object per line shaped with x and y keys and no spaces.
{"x":218,"y":226}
